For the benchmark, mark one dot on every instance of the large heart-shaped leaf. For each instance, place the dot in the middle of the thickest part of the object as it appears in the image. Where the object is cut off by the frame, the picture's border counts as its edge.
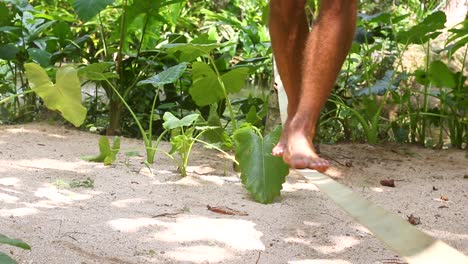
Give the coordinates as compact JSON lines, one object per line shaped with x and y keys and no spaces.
{"x":14,"y":242}
{"x":107,"y":155}
{"x":64,"y":95}
{"x":206,"y":88}
{"x":5,"y":259}
{"x":169,"y":75}
{"x":87,"y":9}
{"x":171,"y":122}
{"x":234,"y":80}
{"x":262,"y":174}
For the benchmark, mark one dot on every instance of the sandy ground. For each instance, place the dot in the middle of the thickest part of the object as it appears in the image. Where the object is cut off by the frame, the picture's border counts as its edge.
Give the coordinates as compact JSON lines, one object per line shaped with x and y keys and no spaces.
{"x":133,"y":216}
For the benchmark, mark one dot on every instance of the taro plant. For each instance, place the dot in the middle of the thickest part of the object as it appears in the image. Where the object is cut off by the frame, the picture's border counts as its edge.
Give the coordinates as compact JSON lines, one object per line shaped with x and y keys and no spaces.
{"x":107,"y":154}
{"x":262,"y":174}
{"x":4,"y":258}
{"x":185,"y":133}
{"x":64,"y":95}
{"x":97,"y":72}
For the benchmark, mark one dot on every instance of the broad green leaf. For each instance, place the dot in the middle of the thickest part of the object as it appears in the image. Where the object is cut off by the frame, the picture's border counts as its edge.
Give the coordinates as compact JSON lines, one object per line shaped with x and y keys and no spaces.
{"x":252,"y":116}
{"x":427,"y":29}
{"x":262,"y":174}
{"x":206,"y":88}
{"x":87,"y":9}
{"x":5,"y":259}
{"x":180,"y":143}
{"x":14,"y":242}
{"x":441,"y":76}
{"x":96,"y":72}
{"x":421,"y":77}
{"x":107,"y":155}
{"x":64,"y":95}
{"x":8,"y":51}
{"x":169,"y":75}
{"x":234,"y":80}
{"x":171,"y":122}
{"x":191,"y":51}
{"x":40,"y":56}
{"x":218,"y":134}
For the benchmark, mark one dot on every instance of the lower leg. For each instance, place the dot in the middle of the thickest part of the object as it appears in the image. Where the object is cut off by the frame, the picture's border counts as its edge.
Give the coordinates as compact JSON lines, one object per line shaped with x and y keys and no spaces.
{"x":325,"y":52}
{"x":288,"y":31}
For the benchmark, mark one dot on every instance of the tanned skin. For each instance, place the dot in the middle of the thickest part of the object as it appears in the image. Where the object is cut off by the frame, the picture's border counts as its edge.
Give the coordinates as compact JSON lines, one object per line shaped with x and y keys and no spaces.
{"x":308,"y":63}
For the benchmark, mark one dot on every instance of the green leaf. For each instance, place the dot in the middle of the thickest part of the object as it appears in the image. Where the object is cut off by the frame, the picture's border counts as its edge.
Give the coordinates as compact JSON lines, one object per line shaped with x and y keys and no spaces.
{"x":64,"y":95}
{"x":252,"y":116}
{"x":8,"y":51}
{"x":428,"y":29}
{"x":107,"y":155}
{"x":5,"y":259}
{"x":234,"y":80}
{"x":169,"y":75}
{"x":421,"y":77}
{"x":191,"y":51}
{"x":441,"y":76}
{"x":40,"y":56}
{"x":96,"y":72}
{"x":206,"y":88}
{"x":14,"y":242}
{"x":171,"y":122}
{"x":87,"y":9}
{"x":262,"y":174}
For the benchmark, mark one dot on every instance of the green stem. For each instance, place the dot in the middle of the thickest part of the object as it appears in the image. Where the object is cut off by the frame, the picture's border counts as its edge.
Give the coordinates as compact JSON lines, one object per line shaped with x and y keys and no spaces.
{"x":142,"y":131}
{"x":218,"y":149}
{"x":426,"y":97}
{"x":228,"y":102}
{"x":152,"y":115}
{"x":15,"y":96}
{"x":104,"y":41}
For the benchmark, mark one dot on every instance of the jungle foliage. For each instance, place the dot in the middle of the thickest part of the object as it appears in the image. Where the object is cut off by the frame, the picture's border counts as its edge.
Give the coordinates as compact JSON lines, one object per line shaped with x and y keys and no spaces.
{"x":200,"y":71}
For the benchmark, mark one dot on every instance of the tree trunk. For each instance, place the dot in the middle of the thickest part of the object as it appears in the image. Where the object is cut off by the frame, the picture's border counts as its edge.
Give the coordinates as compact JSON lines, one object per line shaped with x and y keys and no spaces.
{"x":115,"y":115}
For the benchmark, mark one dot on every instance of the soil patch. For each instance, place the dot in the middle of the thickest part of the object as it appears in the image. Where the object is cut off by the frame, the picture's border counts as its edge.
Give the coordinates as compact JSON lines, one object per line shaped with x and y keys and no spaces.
{"x":134,"y":215}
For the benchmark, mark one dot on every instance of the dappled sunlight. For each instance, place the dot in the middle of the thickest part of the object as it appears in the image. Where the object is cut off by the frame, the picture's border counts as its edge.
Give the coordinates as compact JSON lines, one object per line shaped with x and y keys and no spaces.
{"x":18,"y":212}
{"x":10,"y":181}
{"x":132,"y":225}
{"x":45,"y":163}
{"x":377,"y":189}
{"x":236,"y":233}
{"x":334,"y":172}
{"x":199,"y":254}
{"x":21,"y":130}
{"x":446,"y":235}
{"x":300,"y":185}
{"x":219,"y":180}
{"x":6,"y":198}
{"x":60,"y":196}
{"x":338,"y":243}
{"x":128,"y":202}
{"x":319,"y":261}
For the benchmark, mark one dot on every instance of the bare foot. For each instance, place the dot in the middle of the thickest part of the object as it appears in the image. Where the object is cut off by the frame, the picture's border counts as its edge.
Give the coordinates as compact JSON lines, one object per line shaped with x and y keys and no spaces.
{"x":296,"y":149}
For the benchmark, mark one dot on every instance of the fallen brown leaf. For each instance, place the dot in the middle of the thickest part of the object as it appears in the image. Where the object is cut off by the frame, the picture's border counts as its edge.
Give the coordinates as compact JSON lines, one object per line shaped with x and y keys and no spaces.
{"x":225,"y":210}
{"x":442,"y":206}
{"x":434,"y":188}
{"x":444,"y":198}
{"x":414,"y":220}
{"x":388,"y":183}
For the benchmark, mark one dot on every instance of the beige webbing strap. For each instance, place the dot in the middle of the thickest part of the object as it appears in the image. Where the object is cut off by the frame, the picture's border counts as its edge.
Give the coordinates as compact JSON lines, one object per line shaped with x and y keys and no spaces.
{"x":409,"y":242}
